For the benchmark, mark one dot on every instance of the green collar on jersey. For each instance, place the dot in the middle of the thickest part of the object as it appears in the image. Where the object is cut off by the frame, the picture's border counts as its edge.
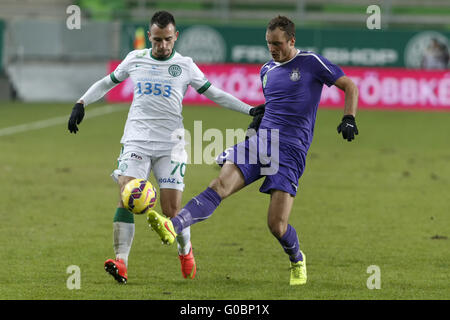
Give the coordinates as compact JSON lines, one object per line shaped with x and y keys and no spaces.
{"x":163,"y":59}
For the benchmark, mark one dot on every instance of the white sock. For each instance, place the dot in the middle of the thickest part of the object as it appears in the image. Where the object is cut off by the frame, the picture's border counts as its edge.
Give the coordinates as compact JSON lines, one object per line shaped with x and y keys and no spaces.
{"x":184,"y":241}
{"x":123,"y":238}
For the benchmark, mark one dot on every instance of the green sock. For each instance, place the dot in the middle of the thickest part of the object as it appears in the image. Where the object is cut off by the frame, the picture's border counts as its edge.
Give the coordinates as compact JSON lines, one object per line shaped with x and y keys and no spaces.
{"x":123,"y":215}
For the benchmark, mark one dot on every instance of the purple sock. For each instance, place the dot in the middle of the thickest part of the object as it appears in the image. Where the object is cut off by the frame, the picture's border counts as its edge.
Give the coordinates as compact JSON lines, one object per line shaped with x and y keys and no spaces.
{"x":197,"y":209}
{"x":289,"y":242}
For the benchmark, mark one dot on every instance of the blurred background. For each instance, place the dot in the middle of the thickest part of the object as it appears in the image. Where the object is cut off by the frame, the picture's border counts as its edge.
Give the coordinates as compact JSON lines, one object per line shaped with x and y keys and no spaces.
{"x":43,"y":59}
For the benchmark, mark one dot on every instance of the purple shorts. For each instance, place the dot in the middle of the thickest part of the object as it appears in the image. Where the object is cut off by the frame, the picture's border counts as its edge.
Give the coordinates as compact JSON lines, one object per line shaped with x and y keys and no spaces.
{"x":282,"y":165}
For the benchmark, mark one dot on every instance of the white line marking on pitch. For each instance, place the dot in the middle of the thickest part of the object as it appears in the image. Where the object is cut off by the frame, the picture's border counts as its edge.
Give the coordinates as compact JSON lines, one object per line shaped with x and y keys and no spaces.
{"x":57,"y":120}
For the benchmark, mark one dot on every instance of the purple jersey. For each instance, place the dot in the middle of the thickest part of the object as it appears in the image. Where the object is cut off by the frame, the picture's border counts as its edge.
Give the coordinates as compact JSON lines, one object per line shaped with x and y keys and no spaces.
{"x":292,"y":91}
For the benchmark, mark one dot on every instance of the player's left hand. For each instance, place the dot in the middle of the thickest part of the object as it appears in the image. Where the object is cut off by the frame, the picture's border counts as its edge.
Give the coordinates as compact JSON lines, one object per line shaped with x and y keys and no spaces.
{"x":257,"y":110}
{"x":348,"y":127}
{"x":75,"y":117}
{"x":257,"y":113}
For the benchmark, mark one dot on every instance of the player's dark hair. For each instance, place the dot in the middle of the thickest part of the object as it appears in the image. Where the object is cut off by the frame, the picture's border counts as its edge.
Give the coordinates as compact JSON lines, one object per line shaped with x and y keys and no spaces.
{"x":162,"y":19}
{"x":284,"y":23}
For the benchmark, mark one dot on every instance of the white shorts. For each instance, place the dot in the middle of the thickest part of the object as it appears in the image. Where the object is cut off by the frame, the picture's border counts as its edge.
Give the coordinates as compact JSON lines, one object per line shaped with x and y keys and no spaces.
{"x":168,"y":167}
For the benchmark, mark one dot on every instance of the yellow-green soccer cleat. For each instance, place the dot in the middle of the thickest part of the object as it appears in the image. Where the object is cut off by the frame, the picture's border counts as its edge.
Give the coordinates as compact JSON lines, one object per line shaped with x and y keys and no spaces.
{"x":298,"y":272}
{"x":162,"y":225}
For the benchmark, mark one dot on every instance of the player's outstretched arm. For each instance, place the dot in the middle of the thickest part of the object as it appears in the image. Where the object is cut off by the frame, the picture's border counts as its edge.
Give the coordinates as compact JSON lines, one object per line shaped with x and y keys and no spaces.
{"x":94,"y":93}
{"x":226,"y":100}
{"x":348,"y":126}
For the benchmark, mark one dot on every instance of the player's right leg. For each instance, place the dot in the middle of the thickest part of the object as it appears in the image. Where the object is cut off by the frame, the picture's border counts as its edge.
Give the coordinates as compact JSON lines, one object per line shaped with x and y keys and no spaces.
{"x":200,"y":207}
{"x":131,"y":165}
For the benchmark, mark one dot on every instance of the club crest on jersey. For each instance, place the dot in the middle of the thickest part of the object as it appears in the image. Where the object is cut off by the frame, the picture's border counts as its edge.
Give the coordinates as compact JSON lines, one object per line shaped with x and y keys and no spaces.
{"x":175,"y":70}
{"x":295,"y":75}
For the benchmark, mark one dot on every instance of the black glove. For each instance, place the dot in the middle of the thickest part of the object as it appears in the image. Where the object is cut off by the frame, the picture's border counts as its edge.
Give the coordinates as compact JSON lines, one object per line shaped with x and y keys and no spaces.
{"x":257,"y":110}
{"x":75,"y":117}
{"x":257,"y":113}
{"x":348,"y":127}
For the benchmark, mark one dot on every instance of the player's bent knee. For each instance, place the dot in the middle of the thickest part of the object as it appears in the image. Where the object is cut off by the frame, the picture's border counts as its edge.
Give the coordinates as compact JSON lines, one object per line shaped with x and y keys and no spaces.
{"x":277,"y":229}
{"x":218,"y":186}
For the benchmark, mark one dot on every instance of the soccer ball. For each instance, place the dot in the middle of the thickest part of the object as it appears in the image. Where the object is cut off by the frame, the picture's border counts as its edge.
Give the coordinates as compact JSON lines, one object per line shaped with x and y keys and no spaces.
{"x":138,"y":196}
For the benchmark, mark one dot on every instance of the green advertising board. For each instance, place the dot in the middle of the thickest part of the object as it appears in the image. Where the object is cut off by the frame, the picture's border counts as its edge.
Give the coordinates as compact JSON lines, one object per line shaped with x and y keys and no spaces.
{"x":346,"y":47}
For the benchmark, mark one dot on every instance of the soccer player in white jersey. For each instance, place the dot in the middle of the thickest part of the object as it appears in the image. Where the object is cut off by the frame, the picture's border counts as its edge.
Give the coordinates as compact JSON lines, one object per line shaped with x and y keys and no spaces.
{"x":153,"y":137}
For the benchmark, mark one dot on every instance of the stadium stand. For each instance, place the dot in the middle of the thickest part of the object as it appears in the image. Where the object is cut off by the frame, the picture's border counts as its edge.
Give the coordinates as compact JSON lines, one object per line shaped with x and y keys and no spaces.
{"x":348,"y":12}
{"x":42,"y":9}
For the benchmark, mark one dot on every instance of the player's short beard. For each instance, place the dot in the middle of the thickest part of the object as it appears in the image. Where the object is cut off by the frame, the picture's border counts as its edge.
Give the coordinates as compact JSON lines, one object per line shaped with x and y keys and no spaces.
{"x":161,"y":55}
{"x":164,"y":56}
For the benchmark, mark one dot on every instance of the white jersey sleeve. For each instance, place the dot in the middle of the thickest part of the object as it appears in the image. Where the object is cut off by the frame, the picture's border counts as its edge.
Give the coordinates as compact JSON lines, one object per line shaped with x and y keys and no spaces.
{"x":226,"y":100}
{"x":97,"y":90}
{"x":122,"y":70}
{"x":200,"y":83}
{"x":101,"y":87}
{"x":198,"y":80}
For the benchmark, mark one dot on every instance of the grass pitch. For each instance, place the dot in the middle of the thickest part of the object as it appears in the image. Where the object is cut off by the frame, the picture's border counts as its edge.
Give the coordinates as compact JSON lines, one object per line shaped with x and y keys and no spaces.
{"x":380,"y":200}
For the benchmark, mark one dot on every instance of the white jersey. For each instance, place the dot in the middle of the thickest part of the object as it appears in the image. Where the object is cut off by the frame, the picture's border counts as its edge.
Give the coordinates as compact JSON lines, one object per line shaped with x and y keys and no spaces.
{"x":154,"y":121}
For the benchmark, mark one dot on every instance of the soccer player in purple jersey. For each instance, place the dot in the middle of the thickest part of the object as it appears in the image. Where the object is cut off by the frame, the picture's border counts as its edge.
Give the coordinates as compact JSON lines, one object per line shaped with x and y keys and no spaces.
{"x":292,"y":84}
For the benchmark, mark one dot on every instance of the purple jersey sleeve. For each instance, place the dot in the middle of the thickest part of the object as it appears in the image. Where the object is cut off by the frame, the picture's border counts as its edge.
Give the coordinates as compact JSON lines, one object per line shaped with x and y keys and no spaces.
{"x":325,"y":71}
